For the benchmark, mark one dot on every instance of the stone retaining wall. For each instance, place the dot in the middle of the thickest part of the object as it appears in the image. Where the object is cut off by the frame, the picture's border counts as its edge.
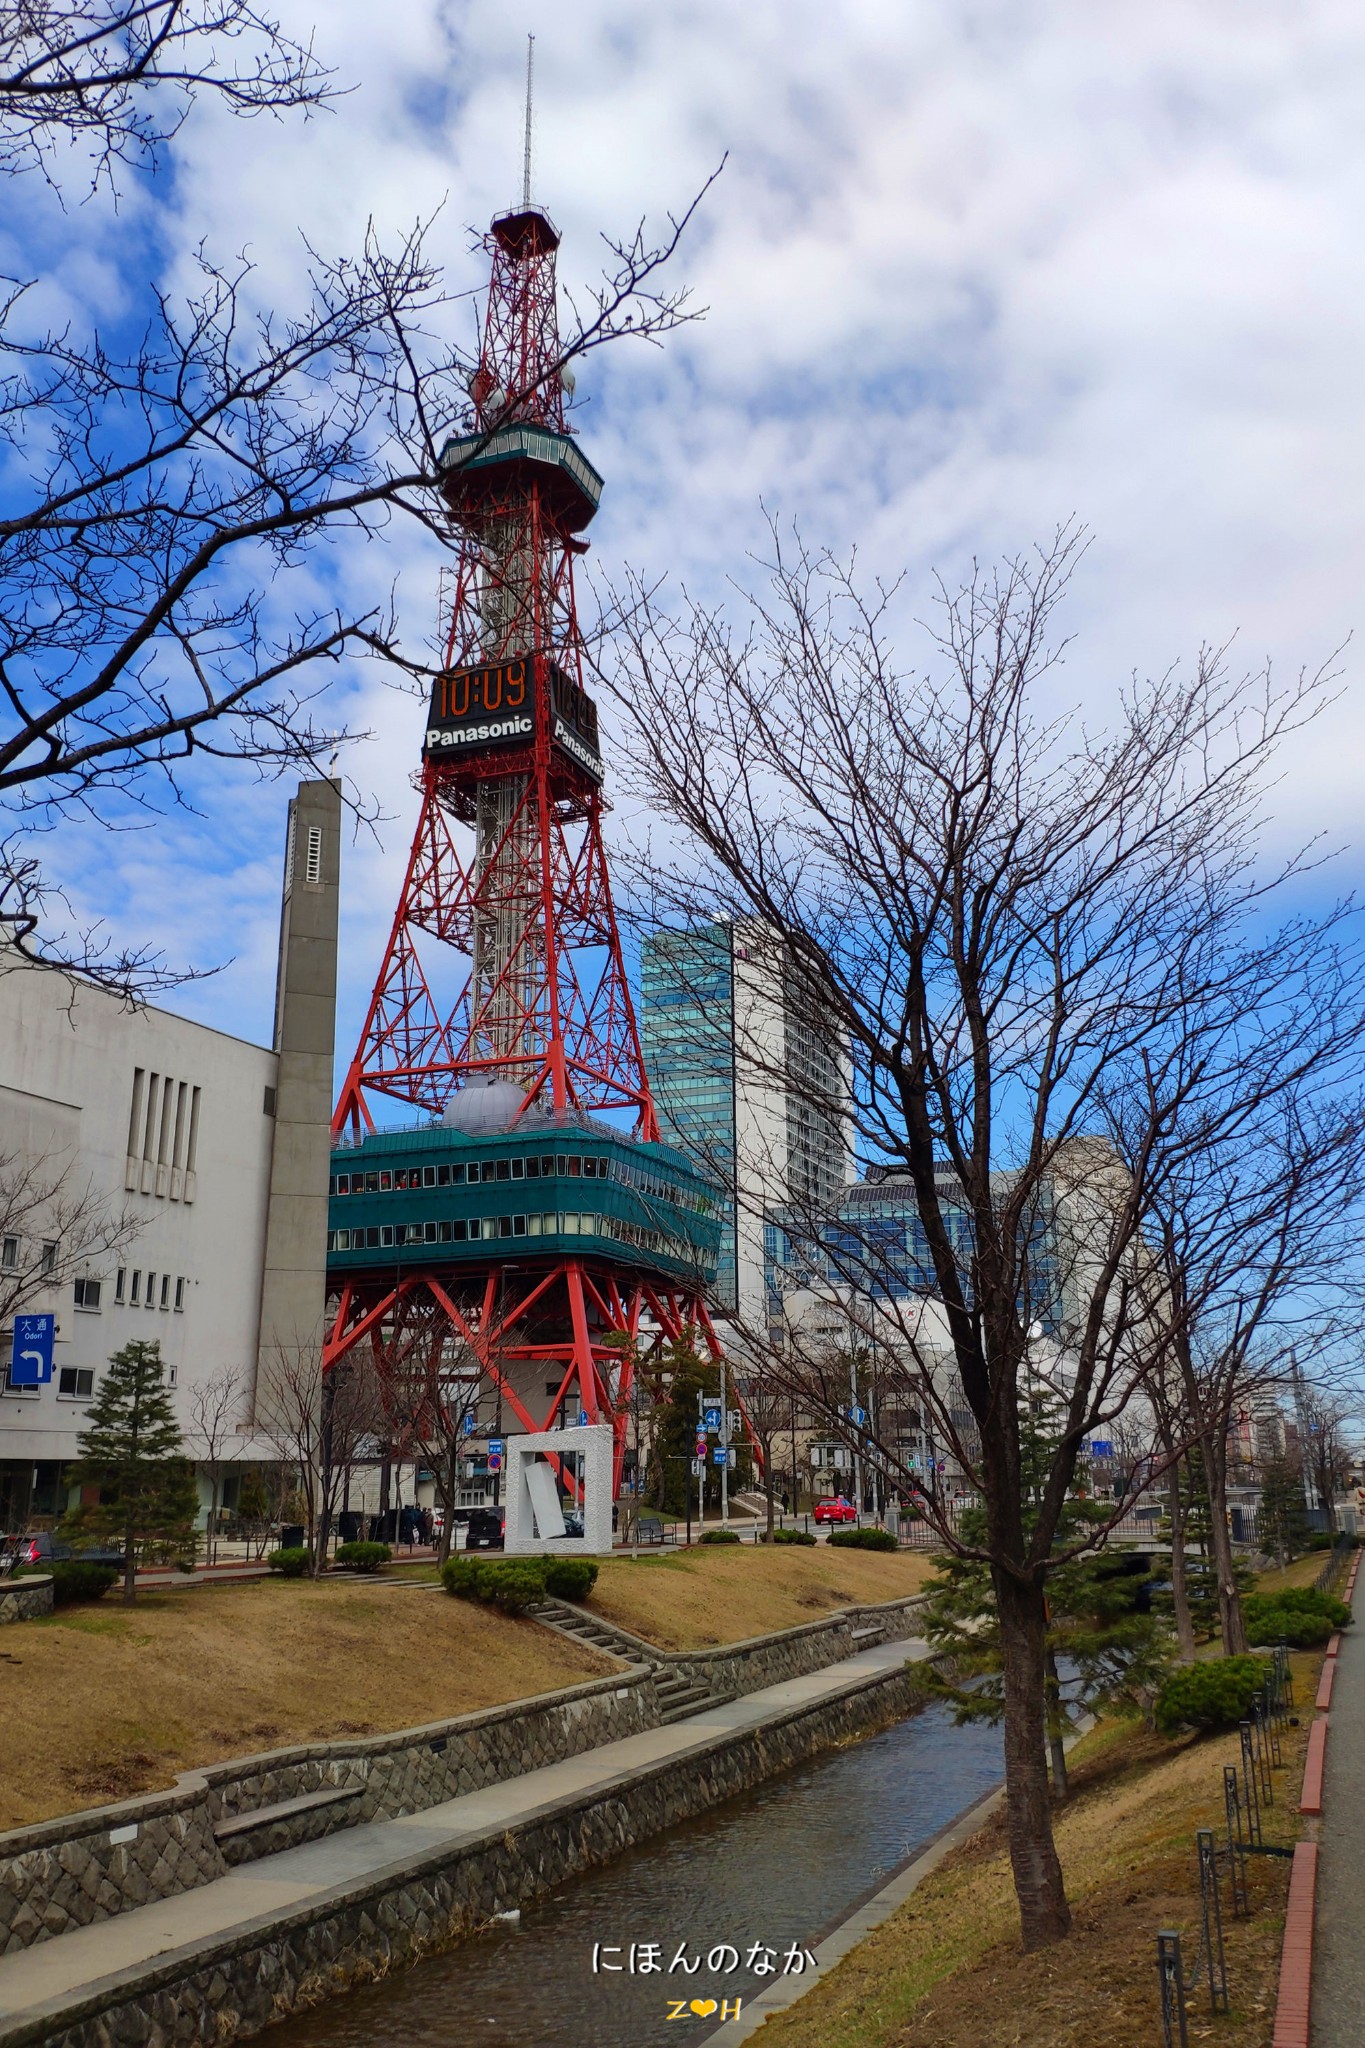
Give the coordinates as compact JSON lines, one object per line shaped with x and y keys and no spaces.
{"x":759,"y":1661}
{"x":83,"y":1867}
{"x":229,"y":1990}
{"x":770,"y":1660}
{"x":22,"y":1599}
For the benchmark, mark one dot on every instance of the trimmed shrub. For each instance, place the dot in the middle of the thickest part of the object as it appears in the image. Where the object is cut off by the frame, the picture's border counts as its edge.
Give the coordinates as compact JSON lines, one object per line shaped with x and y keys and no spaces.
{"x":1308,"y":1600}
{"x":458,"y":1574}
{"x":363,"y":1557}
{"x":806,"y":1536}
{"x":570,"y":1578}
{"x":514,"y":1584}
{"x":1268,"y":1622}
{"x":291,"y":1563}
{"x":1216,"y":1694}
{"x":718,"y":1536}
{"x":73,"y":1581}
{"x":863,"y":1539}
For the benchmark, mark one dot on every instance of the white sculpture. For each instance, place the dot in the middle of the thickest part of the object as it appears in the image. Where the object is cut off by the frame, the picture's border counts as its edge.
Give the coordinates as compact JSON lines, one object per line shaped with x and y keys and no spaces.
{"x":535,"y":1518}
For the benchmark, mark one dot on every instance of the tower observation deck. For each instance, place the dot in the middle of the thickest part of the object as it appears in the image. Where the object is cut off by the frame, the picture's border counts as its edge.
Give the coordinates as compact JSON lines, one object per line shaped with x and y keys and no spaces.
{"x":526,"y":1225}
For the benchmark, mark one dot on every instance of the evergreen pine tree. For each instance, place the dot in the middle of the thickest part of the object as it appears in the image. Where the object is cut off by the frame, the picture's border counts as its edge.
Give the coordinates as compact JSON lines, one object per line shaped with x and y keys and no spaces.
{"x":131,"y":1449}
{"x":1284,"y":1515}
{"x":689,"y":1375}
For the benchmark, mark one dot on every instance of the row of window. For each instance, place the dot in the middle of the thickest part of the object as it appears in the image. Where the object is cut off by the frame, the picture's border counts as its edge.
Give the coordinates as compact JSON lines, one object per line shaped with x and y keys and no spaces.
{"x":468,"y":1230}
{"x":147,"y":1290}
{"x":385,"y":1180}
{"x":475,"y":1172}
{"x":74,"y":1383}
{"x":150,"y":1289}
{"x":10,"y":1248}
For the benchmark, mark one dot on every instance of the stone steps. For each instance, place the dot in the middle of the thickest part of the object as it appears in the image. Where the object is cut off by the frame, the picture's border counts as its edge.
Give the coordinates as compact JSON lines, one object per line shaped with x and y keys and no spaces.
{"x":680,"y":1693}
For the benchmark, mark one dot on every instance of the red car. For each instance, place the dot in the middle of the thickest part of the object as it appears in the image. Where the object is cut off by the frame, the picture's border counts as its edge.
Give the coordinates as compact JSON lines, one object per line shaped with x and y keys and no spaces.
{"x":839,"y":1510}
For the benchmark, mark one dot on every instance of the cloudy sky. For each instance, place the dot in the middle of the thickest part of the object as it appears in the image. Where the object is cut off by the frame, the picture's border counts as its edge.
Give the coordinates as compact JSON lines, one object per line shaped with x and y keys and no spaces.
{"x":971,"y":270}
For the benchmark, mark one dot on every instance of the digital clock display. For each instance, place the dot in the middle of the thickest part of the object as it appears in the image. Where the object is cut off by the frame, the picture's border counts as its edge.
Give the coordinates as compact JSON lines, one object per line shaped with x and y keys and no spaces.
{"x":496,"y":706}
{"x":482,"y":707}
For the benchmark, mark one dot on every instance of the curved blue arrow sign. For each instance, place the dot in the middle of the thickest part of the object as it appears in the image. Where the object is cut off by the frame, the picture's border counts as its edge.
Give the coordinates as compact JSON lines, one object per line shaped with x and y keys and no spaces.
{"x":33,"y":1340}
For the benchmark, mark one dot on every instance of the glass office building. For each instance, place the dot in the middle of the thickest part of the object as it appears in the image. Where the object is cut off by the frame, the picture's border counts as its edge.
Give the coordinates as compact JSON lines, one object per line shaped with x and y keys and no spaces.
{"x":687,"y":1027}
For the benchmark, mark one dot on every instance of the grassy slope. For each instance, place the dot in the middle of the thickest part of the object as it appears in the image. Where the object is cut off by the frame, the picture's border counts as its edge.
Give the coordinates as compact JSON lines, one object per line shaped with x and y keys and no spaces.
{"x":101,"y":1702}
{"x":721,"y":1594}
{"x":1302,"y":1572}
{"x":945,"y":1971}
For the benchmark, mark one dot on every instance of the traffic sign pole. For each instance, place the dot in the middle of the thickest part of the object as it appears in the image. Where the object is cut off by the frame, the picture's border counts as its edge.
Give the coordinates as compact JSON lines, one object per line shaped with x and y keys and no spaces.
{"x":725,"y":1446}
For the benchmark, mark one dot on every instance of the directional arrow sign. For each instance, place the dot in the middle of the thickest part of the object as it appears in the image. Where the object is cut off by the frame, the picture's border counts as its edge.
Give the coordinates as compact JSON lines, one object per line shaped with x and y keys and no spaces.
{"x":33,"y":1340}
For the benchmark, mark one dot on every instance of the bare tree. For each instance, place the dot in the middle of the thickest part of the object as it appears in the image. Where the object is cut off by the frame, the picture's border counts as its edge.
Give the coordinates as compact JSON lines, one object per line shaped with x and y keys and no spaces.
{"x":316,"y":1422}
{"x":1007,"y":923}
{"x":766,"y":1407}
{"x":430,"y":1385}
{"x":217,"y":1406}
{"x":1253,"y":1228}
{"x":161,"y":497}
{"x":54,"y":1226}
{"x":120,"y":75}
{"x":1328,"y":1449}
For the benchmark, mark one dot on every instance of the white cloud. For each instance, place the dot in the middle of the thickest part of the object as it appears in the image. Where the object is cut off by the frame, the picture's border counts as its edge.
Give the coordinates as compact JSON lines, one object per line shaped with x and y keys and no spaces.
{"x":969,"y":271}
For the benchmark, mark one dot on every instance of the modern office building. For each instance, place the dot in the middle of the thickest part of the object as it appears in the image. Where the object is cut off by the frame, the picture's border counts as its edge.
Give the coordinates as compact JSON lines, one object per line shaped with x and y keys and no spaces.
{"x":745,"y":1084}
{"x":161,"y":1179}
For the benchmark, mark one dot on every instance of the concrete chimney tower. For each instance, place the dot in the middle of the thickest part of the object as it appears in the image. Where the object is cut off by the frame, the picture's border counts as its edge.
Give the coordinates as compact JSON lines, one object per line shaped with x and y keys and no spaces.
{"x":294,"y":1284}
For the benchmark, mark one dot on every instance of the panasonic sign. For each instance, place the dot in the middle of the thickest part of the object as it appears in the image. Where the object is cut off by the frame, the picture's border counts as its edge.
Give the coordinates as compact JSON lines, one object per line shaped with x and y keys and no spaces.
{"x":440,"y":738}
{"x":577,"y":749}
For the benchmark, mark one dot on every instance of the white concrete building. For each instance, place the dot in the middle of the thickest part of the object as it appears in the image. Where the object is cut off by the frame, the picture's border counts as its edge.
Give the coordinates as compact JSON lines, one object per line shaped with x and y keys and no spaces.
{"x":140,"y":1196}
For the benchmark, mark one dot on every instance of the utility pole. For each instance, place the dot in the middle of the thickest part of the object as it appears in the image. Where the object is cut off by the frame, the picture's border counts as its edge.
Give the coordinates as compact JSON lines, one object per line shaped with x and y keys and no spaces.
{"x":1310,"y":1492}
{"x":852,"y":1409}
{"x":725,"y":1447}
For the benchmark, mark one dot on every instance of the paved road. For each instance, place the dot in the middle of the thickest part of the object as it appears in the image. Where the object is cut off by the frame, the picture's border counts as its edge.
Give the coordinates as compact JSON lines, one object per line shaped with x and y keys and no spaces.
{"x":58,"y":1970}
{"x":1339,"y":1945}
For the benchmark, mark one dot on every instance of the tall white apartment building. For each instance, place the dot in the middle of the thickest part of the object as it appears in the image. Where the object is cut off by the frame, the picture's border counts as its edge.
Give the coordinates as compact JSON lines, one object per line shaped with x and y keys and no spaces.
{"x":160,"y":1179}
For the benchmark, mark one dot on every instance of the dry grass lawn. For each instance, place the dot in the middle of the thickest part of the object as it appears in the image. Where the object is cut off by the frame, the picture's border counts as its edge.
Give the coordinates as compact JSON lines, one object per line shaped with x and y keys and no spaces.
{"x":945,"y":1970}
{"x":104,"y":1701}
{"x":1302,"y":1572}
{"x":722,"y":1593}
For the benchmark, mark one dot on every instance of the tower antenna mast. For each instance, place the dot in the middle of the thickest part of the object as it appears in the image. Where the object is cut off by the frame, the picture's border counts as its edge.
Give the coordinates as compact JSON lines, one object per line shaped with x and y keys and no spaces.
{"x":526,"y":158}
{"x":533,"y":1221}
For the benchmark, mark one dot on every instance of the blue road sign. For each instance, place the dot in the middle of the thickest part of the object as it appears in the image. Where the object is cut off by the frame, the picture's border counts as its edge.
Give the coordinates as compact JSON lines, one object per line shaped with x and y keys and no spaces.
{"x":858,"y":1415}
{"x":1101,"y":1448}
{"x":582,"y":1418}
{"x":710,"y":1418}
{"x":33,"y":1341}
{"x":720,"y":1456}
{"x":469,"y":1424}
{"x":495,"y":1446}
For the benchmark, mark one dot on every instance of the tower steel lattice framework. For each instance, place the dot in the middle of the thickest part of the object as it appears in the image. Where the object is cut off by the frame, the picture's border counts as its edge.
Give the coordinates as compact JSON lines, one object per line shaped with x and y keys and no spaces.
{"x":506,"y":900}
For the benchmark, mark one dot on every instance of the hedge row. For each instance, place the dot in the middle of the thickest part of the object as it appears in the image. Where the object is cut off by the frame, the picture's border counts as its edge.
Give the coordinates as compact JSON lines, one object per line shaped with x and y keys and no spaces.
{"x":1299,"y":1615}
{"x":516,"y":1583}
{"x":863,"y":1539}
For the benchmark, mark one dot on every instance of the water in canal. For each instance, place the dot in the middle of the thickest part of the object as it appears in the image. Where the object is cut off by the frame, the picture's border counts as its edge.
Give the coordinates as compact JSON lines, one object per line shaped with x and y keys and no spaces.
{"x":772,"y":1870}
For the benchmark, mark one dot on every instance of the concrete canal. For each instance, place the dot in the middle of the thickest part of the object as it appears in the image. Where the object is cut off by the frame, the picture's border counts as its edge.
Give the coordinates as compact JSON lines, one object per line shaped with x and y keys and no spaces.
{"x":773,"y":1870}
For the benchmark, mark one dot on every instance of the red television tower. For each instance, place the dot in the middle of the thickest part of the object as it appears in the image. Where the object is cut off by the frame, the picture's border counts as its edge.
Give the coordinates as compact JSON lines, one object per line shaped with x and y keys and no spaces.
{"x":533,"y":1218}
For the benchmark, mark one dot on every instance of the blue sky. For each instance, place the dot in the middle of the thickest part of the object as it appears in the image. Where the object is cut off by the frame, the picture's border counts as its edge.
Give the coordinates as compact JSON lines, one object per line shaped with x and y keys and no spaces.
{"x":969,"y":271}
